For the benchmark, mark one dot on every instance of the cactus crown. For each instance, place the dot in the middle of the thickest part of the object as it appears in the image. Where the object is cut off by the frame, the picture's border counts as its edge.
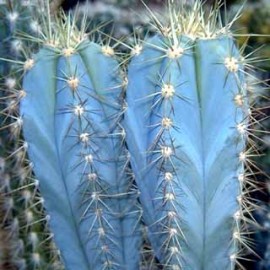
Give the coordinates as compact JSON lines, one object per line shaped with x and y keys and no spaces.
{"x":194,"y":21}
{"x":60,"y":31}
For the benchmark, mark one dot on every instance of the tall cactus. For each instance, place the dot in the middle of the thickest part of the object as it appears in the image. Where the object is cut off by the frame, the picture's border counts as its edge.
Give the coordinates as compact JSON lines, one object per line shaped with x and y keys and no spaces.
{"x":187,"y":123}
{"x":72,"y":114}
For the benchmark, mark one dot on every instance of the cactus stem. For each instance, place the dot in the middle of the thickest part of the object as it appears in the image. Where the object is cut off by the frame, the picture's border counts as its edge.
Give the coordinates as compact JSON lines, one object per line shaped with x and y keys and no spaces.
{"x":235,"y":67}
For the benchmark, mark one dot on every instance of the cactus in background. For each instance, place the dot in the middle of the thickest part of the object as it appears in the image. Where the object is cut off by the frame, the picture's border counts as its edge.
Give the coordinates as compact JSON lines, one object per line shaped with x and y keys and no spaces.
{"x":15,"y":17}
{"x":25,"y":239}
{"x":72,"y":111}
{"x":255,"y":19}
{"x":188,"y":123}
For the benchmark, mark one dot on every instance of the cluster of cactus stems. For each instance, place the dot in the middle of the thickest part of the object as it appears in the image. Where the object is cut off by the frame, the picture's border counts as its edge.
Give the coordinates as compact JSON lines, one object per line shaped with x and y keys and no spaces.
{"x":26,"y":242}
{"x":162,"y":151}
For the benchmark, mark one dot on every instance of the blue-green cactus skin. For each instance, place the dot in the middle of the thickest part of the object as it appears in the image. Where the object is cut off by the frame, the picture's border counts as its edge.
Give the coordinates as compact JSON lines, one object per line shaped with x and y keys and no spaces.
{"x":75,"y":140}
{"x":190,"y":211}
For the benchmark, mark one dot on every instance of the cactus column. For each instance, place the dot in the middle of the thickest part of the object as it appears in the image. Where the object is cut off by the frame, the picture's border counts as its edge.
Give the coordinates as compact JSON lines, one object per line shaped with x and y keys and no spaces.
{"x":186,"y":128}
{"x":72,"y":114}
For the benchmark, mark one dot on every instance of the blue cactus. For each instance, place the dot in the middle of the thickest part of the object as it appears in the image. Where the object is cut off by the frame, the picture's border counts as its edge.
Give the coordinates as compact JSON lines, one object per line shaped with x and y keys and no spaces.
{"x":72,"y":122}
{"x":186,"y":134}
{"x":186,"y":125}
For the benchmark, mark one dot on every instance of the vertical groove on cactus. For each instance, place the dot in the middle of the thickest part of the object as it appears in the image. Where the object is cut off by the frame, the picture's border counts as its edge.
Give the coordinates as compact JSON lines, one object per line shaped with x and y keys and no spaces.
{"x":72,"y":112}
{"x":186,"y":125}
